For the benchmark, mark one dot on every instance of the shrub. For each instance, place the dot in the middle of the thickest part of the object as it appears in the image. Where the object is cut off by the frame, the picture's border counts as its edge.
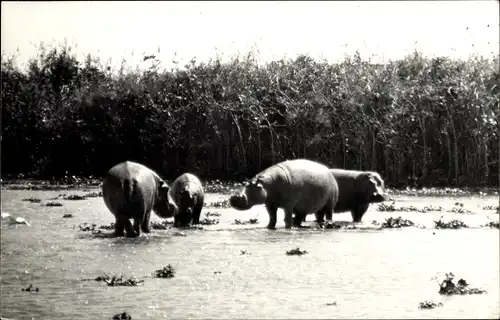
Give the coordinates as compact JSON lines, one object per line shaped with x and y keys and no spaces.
{"x":419,"y":121}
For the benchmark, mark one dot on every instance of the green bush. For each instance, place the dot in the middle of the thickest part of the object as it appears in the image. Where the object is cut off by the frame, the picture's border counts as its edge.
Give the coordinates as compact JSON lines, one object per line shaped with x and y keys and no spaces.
{"x":418,"y":121}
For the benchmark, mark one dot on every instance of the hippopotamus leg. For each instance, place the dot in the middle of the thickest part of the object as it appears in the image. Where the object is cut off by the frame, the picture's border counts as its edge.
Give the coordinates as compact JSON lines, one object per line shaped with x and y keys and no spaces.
{"x":197,"y":209}
{"x":271,"y":210}
{"x":145,"y":223}
{"x":288,"y":217}
{"x":358,"y":211}
{"x":120,"y":226}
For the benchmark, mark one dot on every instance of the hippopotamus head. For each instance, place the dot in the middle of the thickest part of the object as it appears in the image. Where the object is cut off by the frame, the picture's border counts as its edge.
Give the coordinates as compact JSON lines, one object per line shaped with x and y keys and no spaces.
{"x":253,"y":193}
{"x":372,"y":186}
{"x":185,"y":208}
{"x":164,"y":206}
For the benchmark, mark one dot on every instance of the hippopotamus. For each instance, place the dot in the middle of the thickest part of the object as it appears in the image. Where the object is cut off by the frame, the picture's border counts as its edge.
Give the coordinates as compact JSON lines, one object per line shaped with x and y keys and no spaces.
{"x":130,"y":191}
{"x":298,"y":186}
{"x":357,"y":189}
{"x":187,"y":195}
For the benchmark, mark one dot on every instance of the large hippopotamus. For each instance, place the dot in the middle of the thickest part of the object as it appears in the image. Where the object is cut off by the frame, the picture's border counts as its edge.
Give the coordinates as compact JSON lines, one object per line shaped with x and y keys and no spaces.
{"x":357,"y":189}
{"x":130,"y":191}
{"x":298,"y":186}
{"x":187,"y":195}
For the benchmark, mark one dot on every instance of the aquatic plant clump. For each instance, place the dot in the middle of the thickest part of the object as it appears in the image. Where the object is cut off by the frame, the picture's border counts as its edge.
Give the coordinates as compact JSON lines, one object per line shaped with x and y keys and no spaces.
{"x":250,"y":221}
{"x":165,"y":272}
{"x":459,"y":208}
{"x":32,"y":200}
{"x":114,"y":281}
{"x":452,"y":224}
{"x":396,"y":223}
{"x":93,"y":194}
{"x":74,"y":197}
{"x":53,"y":204}
{"x":208,"y":221}
{"x":122,"y":316}
{"x":30,"y":288}
{"x":497,"y":208}
{"x":67,"y":215}
{"x":448,"y":287}
{"x":163,"y":225}
{"x":493,"y":224}
{"x":212,"y":214}
{"x":296,"y":252}
{"x":391,"y":207}
{"x":219,"y":204}
{"x":87,"y":227}
{"x":429,"y":304}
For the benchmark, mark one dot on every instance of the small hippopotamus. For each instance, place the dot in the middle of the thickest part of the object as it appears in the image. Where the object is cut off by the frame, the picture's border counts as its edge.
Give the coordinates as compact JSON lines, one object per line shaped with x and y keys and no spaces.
{"x":131,"y":191}
{"x":298,"y":186}
{"x":187,"y":195}
{"x":357,"y":189}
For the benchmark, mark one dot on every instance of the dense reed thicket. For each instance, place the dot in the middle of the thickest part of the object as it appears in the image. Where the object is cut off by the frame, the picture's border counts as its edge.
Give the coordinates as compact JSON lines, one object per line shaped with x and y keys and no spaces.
{"x":418,"y":120}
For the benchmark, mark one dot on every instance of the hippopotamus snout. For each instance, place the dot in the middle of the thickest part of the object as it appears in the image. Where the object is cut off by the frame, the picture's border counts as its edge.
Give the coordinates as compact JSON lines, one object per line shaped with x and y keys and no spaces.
{"x":239,"y":202}
{"x":378,"y":195}
{"x":379,"y":198}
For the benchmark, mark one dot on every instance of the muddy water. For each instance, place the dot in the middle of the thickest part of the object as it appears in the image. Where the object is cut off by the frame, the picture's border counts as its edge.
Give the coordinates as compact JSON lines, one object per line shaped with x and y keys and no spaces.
{"x":369,"y":273}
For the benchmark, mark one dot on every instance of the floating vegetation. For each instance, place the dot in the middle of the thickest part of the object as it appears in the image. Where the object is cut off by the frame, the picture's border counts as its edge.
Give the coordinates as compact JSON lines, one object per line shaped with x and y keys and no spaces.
{"x":122,"y":316}
{"x":165,"y":272}
{"x":114,"y":281}
{"x":74,"y":197}
{"x":296,"y":252}
{"x":87,"y":227}
{"x":250,"y":221}
{"x":163,"y":225}
{"x":67,"y":215}
{"x":32,"y":200}
{"x":491,"y":208}
{"x":442,"y":191}
{"x":448,"y":287}
{"x":208,"y":221}
{"x":110,"y":226}
{"x":452,"y":224}
{"x":396,"y":223}
{"x":429,"y":305}
{"x":493,"y":224}
{"x":53,"y":204}
{"x":459,"y":208}
{"x":220,"y":204}
{"x":391,"y":207}
{"x":93,"y":194}
{"x":94,"y":229}
{"x":331,"y":225}
{"x":212,"y":214}
{"x":334,"y":303}
{"x":30,"y":288}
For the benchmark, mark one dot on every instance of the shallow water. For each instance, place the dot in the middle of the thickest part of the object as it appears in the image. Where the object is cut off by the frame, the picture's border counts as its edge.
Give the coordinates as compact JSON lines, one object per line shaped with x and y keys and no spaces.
{"x":370,"y":273}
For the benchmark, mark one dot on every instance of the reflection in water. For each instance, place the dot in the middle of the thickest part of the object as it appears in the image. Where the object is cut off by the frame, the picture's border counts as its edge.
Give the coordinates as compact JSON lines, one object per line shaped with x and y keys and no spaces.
{"x":368,"y":272}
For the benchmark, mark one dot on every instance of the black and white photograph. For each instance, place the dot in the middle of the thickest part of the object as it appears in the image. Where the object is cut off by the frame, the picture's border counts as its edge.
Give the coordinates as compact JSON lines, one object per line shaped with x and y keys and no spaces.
{"x":250,"y":160}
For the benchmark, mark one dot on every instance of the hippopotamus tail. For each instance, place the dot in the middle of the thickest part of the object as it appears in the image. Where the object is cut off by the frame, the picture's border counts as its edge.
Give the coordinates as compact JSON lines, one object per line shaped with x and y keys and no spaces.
{"x":129,"y":188}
